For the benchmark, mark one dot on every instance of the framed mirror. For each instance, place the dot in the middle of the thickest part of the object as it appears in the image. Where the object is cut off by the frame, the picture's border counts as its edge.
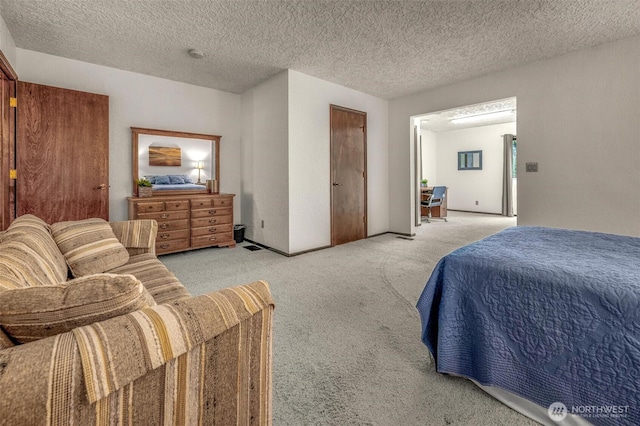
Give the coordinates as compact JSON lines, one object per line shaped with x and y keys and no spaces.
{"x":175,"y":162}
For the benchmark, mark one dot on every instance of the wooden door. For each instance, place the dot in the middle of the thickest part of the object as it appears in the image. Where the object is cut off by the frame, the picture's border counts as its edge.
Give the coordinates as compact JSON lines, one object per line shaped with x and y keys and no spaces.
{"x":8,"y":79}
{"x":349,"y":175}
{"x":62,"y":153}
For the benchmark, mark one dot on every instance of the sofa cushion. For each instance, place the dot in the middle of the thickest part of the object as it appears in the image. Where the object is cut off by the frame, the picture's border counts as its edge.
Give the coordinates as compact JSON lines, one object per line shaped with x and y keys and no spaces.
{"x":36,"y":234}
{"x":156,"y":278}
{"x":22,"y":266}
{"x":9,"y":276}
{"x":89,"y":246}
{"x":33,"y":313}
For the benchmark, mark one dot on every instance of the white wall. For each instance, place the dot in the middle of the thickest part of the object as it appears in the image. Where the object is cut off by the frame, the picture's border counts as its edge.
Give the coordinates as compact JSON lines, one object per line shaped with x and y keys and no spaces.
{"x":142,"y":101}
{"x":7,"y":45}
{"x":265,"y":176}
{"x":309,"y":159}
{"x":577,"y":117}
{"x":286,"y":163}
{"x":468,"y":186}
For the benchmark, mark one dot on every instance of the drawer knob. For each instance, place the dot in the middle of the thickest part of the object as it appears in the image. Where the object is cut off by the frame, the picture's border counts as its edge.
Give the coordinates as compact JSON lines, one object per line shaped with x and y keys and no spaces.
{"x":212,"y":239}
{"x":212,"y":229}
{"x":164,"y":215}
{"x":212,"y":212}
{"x":164,"y":236}
{"x":213,"y":220}
{"x":164,"y":246}
{"x":164,"y":226}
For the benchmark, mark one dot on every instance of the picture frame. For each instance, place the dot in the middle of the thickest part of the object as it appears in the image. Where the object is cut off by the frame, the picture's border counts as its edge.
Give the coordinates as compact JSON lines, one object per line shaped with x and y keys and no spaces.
{"x":165,"y":156}
{"x":470,"y":160}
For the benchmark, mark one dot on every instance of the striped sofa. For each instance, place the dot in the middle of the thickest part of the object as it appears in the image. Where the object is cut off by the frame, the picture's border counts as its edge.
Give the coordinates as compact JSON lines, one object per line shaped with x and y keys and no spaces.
{"x":84,"y":345}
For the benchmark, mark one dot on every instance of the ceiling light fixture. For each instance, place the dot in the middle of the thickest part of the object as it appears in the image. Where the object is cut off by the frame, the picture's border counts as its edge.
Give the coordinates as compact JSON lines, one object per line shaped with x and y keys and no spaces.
{"x":482,"y":117}
{"x":195,"y":53}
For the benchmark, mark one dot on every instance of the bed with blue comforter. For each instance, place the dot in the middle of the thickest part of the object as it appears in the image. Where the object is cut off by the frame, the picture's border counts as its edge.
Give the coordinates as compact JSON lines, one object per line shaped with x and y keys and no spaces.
{"x":550,"y":315}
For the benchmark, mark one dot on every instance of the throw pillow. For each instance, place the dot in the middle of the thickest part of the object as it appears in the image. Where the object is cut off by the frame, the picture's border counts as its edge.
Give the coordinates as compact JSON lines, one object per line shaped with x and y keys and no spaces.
{"x":176,"y":179}
{"x":33,"y":313}
{"x":151,"y":178}
{"x":33,"y":235}
{"x":187,"y":179}
{"x":162,"y":180}
{"x":89,"y":246}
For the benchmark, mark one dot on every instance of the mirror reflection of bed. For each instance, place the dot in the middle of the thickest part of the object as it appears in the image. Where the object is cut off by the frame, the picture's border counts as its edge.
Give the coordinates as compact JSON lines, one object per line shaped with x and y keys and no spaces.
{"x":175,"y":162}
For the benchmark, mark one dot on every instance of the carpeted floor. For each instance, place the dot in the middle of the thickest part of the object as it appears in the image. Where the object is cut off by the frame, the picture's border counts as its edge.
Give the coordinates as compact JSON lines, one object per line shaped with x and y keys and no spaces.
{"x":347,"y":347}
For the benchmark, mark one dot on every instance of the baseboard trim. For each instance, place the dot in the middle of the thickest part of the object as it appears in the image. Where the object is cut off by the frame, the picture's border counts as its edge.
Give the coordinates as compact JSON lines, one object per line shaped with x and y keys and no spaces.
{"x":404,"y":234}
{"x":298,"y":253}
{"x":469,"y":211}
{"x":284,"y":253}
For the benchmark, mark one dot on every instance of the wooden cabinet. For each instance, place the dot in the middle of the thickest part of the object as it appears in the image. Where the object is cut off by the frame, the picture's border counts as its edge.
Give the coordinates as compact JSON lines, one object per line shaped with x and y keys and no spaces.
{"x":187,"y":222}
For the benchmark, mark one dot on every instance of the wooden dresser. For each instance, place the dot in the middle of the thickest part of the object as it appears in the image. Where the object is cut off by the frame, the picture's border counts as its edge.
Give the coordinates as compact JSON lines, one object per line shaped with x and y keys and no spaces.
{"x":186,"y":222}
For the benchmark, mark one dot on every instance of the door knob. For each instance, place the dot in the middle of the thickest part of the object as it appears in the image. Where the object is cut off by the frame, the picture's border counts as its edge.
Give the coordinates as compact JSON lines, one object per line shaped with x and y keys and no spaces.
{"x":101,"y":186}
{"x":337,"y":184}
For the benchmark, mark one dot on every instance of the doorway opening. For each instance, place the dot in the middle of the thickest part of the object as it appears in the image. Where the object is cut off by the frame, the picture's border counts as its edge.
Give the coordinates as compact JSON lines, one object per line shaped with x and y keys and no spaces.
{"x":442,"y":138}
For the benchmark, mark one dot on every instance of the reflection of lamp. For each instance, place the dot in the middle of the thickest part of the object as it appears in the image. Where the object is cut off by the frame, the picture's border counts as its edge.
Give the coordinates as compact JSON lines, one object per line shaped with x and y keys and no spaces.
{"x":199,"y":166}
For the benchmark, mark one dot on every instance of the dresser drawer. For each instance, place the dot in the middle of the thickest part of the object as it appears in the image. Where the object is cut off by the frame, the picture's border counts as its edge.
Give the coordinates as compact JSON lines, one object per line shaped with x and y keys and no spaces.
{"x":209,"y":221}
{"x":150,"y":207}
{"x":176,"y":205}
{"x":172,"y":235}
{"x":210,"y":212}
{"x":171,"y":245}
{"x":223,"y":202}
{"x":201,"y":203}
{"x":164,"y":216}
{"x":210,"y":240}
{"x":216,"y":229}
{"x":173,"y":225}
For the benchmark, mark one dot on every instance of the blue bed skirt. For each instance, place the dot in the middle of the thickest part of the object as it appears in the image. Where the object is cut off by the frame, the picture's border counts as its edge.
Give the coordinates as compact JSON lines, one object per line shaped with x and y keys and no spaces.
{"x":551,"y":315}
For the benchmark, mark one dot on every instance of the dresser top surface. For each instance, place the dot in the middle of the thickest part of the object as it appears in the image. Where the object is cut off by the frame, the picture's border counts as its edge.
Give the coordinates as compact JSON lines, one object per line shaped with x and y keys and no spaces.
{"x":177,"y":197}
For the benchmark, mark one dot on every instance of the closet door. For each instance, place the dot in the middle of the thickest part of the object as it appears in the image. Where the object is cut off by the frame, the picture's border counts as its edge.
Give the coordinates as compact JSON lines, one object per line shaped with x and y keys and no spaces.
{"x":62,"y":153}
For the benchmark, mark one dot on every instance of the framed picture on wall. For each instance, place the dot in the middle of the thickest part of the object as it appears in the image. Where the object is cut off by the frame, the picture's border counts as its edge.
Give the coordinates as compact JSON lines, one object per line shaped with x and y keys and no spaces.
{"x":469,"y":160}
{"x":165,"y":156}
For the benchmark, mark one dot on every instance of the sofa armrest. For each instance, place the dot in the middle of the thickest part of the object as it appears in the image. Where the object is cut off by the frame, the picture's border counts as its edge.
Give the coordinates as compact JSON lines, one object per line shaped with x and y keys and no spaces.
{"x":138,"y":236}
{"x":203,"y":360}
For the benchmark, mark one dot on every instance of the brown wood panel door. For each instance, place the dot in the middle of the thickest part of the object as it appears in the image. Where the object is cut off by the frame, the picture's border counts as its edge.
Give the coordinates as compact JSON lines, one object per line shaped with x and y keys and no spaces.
{"x":62,"y":153}
{"x":8,"y":79}
{"x":349,"y":175}
{"x":6,"y":148}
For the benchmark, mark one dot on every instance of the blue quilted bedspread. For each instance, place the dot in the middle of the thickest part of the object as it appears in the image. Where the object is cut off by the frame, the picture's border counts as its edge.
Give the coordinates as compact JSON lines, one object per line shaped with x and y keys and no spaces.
{"x":551,"y":315}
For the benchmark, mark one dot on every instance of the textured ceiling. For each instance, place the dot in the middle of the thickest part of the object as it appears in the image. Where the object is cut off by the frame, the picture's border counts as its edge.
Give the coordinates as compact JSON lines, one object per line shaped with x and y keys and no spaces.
{"x":385,"y":48}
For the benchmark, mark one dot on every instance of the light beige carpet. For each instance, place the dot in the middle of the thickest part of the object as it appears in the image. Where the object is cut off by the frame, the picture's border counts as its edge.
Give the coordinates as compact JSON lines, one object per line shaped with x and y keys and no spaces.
{"x":347,"y":347}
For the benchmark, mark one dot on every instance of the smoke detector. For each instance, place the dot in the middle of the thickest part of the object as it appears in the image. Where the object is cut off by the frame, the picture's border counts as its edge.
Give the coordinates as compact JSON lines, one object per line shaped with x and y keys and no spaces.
{"x":195,"y":53}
